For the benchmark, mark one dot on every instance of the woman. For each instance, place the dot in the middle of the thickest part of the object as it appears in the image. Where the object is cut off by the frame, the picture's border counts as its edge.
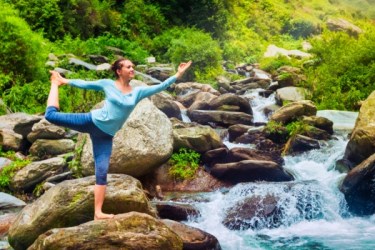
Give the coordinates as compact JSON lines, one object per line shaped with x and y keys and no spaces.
{"x":102,"y":124}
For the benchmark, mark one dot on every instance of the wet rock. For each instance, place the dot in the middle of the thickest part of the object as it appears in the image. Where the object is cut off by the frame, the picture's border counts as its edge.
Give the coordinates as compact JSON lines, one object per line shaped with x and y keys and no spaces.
{"x":175,"y":211}
{"x":359,"y":188}
{"x":222,"y":118}
{"x":193,"y":238}
{"x":201,"y":182}
{"x":362,"y":140}
{"x":293,"y":111}
{"x":250,"y":170}
{"x":300,"y":143}
{"x":254,"y":212}
{"x":319,"y":122}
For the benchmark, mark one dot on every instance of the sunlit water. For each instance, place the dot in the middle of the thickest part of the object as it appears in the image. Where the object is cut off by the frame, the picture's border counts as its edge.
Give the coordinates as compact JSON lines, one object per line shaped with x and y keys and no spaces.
{"x":259,"y":103}
{"x":329,"y":225}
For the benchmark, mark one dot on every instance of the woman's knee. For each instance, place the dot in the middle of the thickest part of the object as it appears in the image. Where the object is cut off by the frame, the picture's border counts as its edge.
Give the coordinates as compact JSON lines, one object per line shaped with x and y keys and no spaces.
{"x":49,"y":114}
{"x":101,"y":179}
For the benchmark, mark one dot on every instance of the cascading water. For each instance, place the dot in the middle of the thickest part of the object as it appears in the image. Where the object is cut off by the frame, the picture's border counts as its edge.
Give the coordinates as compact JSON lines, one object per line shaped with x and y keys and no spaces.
{"x":311,"y":211}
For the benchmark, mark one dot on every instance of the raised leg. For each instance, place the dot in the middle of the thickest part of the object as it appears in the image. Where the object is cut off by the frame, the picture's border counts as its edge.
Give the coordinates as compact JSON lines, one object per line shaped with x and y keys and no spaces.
{"x":53,"y":97}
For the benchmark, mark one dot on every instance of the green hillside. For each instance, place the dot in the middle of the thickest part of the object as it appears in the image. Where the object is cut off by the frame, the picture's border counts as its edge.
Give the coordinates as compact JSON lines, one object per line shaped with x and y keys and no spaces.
{"x":341,"y":74}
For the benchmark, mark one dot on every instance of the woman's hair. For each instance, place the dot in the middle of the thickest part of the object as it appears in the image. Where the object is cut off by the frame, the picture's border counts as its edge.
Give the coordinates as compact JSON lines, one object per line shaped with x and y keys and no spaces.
{"x":117,"y":65}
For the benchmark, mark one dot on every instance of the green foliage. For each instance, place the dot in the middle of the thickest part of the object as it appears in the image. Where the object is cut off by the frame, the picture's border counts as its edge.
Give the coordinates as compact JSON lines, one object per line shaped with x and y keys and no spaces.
{"x":79,"y":18}
{"x":22,"y":52}
{"x":206,"y":55}
{"x":141,"y":21}
{"x":345,"y":71}
{"x":273,"y":127}
{"x":99,"y":45}
{"x":75,"y":164}
{"x":300,"y":28}
{"x":38,"y":190}
{"x":297,"y":127}
{"x":7,"y":172}
{"x":184,"y":163}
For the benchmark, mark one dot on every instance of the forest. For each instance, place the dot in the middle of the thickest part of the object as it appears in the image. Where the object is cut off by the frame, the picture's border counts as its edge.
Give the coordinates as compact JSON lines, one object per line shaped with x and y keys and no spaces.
{"x":211,"y":33}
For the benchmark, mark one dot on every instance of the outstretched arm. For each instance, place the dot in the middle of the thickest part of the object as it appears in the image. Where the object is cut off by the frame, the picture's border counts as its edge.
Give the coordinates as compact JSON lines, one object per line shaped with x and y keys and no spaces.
{"x":57,"y":78}
{"x":148,"y":91}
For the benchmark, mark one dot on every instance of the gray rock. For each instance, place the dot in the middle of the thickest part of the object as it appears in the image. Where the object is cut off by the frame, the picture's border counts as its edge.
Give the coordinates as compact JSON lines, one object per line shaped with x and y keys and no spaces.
{"x":37,"y":172}
{"x":45,"y":130}
{"x":44,"y":147}
{"x":144,"y":143}
{"x":70,"y":203}
{"x":126,"y":231}
{"x":193,"y":238}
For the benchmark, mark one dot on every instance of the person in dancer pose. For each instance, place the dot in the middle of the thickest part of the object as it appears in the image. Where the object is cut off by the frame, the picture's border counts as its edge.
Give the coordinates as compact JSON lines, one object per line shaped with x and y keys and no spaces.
{"x":102,"y":124}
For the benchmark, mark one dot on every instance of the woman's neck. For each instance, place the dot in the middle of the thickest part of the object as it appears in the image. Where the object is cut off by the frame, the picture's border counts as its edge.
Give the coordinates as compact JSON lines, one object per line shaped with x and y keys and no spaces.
{"x":123,"y":82}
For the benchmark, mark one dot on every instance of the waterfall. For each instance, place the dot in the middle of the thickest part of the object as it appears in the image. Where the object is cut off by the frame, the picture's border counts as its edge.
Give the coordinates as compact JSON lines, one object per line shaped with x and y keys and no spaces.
{"x":313,"y":212}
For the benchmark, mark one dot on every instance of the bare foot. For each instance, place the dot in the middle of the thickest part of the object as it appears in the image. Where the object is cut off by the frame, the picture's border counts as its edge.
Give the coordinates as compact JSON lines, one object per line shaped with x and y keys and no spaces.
{"x":103,"y":216}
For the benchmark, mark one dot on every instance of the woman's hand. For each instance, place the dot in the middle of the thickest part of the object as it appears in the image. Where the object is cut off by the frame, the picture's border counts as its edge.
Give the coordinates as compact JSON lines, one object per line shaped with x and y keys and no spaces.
{"x":57,"y":78}
{"x":182,"y":68}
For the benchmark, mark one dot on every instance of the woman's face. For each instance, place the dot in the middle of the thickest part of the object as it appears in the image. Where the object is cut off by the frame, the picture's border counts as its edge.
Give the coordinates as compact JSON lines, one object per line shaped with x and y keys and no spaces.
{"x":127,"y":70}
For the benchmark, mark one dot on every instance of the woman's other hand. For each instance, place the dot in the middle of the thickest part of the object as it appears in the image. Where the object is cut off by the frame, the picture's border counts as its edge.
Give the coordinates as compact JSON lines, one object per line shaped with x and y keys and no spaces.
{"x":182,"y":68}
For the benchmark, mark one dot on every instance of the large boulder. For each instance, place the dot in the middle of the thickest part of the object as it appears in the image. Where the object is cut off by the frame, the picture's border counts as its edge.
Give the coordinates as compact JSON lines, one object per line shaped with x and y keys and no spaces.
{"x":199,"y":138}
{"x":294,"y":110}
{"x":185,"y":87}
{"x":20,"y":123}
{"x":45,"y":130}
{"x":231,"y":102}
{"x":222,"y":118}
{"x":130,"y":231}
{"x":290,"y":94}
{"x":9,"y":140}
{"x":162,"y":180}
{"x":71,"y":203}
{"x":359,"y":188}
{"x":362,"y":140}
{"x":47,"y":147}
{"x":250,"y":170}
{"x":37,"y":172}
{"x":167,"y":105}
{"x":144,"y":142}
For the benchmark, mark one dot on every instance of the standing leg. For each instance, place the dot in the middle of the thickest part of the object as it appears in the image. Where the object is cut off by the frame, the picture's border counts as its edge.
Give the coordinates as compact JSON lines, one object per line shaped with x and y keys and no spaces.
{"x":102,"y":149}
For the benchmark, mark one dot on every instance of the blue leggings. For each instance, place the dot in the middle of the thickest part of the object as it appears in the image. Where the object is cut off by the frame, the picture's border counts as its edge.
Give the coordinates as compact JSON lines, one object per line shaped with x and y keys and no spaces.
{"x":101,"y":141}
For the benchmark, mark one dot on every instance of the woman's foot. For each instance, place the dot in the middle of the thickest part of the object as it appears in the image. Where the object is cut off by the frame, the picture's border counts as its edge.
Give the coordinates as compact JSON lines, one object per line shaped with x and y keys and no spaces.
{"x":103,"y":216}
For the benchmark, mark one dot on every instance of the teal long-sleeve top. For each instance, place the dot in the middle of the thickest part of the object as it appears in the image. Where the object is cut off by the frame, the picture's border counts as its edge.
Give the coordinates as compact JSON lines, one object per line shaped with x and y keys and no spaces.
{"x":117,"y":105}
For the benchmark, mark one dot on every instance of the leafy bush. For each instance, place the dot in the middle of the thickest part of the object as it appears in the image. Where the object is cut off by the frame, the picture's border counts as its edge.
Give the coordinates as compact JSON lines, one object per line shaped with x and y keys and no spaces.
{"x":23,"y":52}
{"x":98,"y":45}
{"x":298,"y":127}
{"x":141,"y":21}
{"x":184,"y":163}
{"x":300,"y":28}
{"x":79,"y":18}
{"x":345,"y":70}
{"x":7,"y":172}
{"x":205,"y":54}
